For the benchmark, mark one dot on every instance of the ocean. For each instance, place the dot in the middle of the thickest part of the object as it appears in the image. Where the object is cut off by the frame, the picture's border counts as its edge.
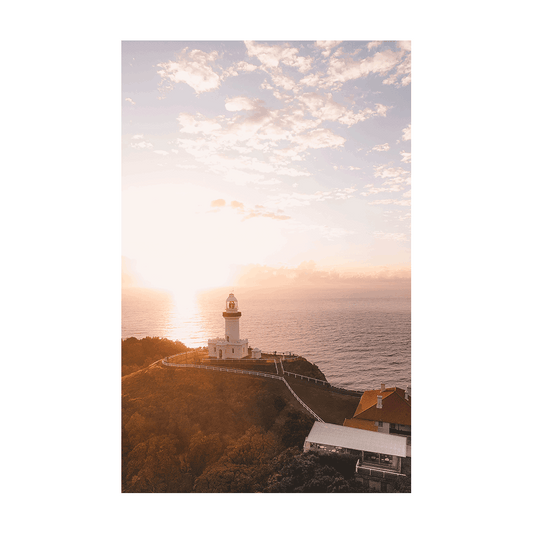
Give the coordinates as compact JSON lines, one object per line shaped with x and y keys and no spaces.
{"x":357,"y":342}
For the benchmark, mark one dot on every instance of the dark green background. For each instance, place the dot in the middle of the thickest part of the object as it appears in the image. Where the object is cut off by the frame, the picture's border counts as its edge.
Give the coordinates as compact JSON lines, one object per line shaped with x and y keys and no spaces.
{"x":50,"y":208}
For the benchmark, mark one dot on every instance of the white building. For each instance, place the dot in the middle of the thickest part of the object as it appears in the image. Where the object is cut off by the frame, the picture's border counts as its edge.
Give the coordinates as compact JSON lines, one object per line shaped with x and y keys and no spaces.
{"x":229,"y":347}
{"x":377,"y":453}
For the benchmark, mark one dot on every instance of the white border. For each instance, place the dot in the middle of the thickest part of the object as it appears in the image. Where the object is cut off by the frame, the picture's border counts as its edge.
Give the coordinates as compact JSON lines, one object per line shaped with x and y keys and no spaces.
{"x":115,"y":31}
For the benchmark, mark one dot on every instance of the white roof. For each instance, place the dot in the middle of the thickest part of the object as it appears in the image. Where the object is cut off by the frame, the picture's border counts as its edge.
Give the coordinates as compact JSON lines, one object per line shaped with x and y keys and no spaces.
{"x":357,"y":439}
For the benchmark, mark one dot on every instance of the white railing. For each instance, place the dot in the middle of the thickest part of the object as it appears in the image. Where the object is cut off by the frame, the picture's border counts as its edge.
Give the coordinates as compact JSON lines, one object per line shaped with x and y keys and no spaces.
{"x":249,"y":372}
{"x":281,"y":354}
{"x":220,"y":369}
{"x":306,"y":377}
{"x":373,"y":470}
{"x":301,"y":402}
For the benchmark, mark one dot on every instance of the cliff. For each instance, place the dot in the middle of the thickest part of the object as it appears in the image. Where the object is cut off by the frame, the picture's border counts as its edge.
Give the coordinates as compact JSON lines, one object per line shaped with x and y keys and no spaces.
{"x":196,"y":430}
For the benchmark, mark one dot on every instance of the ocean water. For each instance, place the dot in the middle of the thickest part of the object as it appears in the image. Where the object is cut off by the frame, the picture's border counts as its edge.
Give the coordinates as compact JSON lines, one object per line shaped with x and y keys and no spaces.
{"x":357,"y":342}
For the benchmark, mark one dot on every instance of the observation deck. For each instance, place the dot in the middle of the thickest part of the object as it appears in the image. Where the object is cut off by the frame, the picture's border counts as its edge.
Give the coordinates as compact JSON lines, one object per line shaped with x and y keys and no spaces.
{"x":234,"y":314}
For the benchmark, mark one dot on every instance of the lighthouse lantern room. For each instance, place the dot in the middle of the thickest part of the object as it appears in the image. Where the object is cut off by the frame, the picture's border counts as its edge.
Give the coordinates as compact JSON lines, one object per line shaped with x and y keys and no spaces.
{"x":229,"y":347}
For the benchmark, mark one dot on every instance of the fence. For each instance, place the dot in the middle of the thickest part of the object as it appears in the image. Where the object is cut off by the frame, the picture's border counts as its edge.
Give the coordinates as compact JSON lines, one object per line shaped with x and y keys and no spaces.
{"x":281,"y":354}
{"x":220,"y":369}
{"x":376,"y":472}
{"x":321,"y":381}
{"x":283,"y":371}
{"x":325,"y":384}
{"x":231,"y":360}
{"x":249,"y":372}
{"x":302,"y":403}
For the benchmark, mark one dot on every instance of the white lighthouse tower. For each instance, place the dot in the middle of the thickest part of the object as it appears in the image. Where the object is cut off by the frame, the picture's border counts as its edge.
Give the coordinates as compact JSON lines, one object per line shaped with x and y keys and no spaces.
{"x":229,"y":347}
{"x":231,"y":316}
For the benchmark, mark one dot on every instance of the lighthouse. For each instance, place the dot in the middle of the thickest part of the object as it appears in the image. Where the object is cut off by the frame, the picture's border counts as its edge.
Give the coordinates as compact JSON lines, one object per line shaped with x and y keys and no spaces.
{"x":231,"y":316}
{"x":231,"y":346}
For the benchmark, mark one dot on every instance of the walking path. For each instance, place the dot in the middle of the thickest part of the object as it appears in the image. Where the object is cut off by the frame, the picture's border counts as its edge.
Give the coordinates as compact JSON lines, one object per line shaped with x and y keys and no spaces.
{"x":166,"y":362}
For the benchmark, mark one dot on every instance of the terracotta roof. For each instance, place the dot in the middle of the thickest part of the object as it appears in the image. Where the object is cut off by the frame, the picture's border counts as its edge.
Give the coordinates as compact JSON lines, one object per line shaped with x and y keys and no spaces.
{"x":396,"y":409}
{"x":369,"y":425}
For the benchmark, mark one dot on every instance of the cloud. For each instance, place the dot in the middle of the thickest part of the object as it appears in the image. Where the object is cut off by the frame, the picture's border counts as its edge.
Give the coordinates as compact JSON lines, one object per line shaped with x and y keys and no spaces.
{"x":283,"y":81}
{"x":248,"y":178}
{"x":161,"y":152}
{"x":394,"y":236}
{"x":291,"y":172}
{"x":327,"y":46}
{"x":130,"y":101}
{"x":272,"y":55}
{"x":404,"y":45}
{"x":250,"y":212}
{"x":375,"y":190}
{"x":406,"y":133}
{"x":283,"y":136}
{"x":373,"y":44}
{"x":240,"y":103}
{"x":247,"y":67}
{"x":351,"y":118}
{"x":343,"y":68}
{"x":384,"y":172}
{"x":267,"y":214}
{"x":392,"y":175}
{"x":402,"y":76}
{"x":323,"y":106}
{"x":319,"y":138}
{"x":406,"y":156}
{"x":141,"y":142}
{"x":297,"y":199}
{"x":396,"y":179}
{"x":192,"y":68}
{"x":375,"y":280}
{"x":391,"y":202}
{"x":381,"y":147}
{"x":190,"y":124}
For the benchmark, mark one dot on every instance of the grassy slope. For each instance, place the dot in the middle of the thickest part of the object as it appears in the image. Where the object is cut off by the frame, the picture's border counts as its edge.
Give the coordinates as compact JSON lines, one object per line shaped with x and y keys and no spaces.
{"x":331,"y":406}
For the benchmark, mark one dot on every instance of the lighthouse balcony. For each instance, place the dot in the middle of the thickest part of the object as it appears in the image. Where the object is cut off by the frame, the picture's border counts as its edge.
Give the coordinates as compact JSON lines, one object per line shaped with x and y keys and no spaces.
{"x":231,"y":314}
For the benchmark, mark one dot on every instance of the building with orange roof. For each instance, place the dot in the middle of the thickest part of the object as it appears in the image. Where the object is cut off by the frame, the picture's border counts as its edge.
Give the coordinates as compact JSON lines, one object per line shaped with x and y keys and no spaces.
{"x":384,"y":410}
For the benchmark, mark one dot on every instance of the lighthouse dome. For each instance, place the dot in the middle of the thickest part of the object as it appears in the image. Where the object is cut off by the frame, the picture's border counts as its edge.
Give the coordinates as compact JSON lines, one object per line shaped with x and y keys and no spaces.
{"x":231,"y":303}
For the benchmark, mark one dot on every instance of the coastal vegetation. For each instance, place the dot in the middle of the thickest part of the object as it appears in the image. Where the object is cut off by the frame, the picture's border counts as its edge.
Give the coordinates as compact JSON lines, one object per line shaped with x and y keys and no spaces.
{"x":192,"y":430}
{"x":139,"y":353}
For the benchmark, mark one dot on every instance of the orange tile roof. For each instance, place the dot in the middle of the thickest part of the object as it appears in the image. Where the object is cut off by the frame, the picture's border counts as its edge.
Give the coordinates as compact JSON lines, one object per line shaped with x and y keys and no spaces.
{"x":369,"y":425}
{"x":396,"y":409}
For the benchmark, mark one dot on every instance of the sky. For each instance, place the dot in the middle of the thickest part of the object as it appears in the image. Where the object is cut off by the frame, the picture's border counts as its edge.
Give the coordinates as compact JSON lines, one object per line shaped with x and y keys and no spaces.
{"x":265,"y":163}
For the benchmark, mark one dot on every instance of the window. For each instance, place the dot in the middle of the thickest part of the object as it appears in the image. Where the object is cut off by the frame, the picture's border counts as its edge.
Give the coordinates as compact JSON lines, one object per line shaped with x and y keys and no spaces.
{"x":233,"y":350}
{"x":381,"y":459}
{"x":380,"y":424}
